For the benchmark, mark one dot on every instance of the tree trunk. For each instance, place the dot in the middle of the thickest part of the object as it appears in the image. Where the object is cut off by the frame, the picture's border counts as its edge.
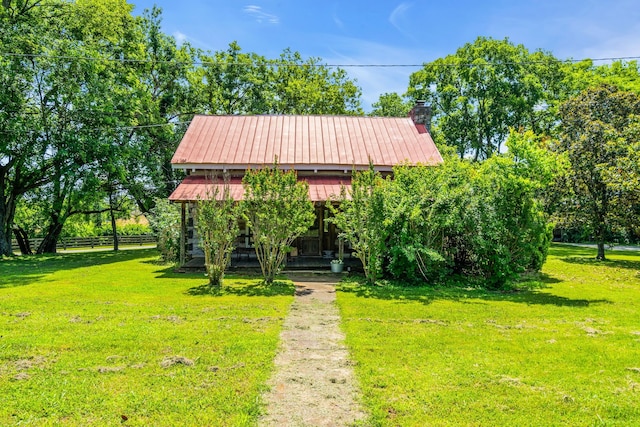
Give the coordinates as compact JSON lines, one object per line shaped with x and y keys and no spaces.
{"x":5,"y":237}
{"x":7,"y":212}
{"x":23,"y":241}
{"x":601,"y":232}
{"x":114,"y":230}
{"x":5,"y":242}
{"x":600,"y":255}
{"x":49,"y":244}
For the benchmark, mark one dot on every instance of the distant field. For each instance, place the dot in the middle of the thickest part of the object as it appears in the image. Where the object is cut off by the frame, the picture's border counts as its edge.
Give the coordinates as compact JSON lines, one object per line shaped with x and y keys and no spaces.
{"x":116,"y":339}
{"x":566,"y":353}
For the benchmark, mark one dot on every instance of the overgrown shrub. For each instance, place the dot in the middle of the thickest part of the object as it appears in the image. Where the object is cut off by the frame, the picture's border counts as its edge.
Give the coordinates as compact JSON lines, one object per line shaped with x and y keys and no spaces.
{"x":360,"y":216}
{"x":480,"y":220}
{"x":164,"y":219}
{"x":217,"y":224}
{"x":413,"y":264}
{"x":75,"y":227}
{"x":277,"y":208}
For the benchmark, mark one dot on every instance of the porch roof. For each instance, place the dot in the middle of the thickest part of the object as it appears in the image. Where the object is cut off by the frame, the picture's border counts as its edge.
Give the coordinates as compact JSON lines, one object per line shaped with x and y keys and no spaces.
{"x":194,"y":187}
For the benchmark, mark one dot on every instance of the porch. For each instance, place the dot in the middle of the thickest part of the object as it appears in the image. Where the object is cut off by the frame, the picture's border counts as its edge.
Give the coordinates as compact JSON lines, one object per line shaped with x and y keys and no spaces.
{"x":316,"y":248}
{"x":248,"y":261}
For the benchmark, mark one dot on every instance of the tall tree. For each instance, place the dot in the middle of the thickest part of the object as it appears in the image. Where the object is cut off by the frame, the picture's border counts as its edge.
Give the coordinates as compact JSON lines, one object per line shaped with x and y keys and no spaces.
{"x":105,"y":118}
{"x":582,"y":75}
{"x":483,"y":90}
{"x":599,"y":129}
{"x":28,"y":30}
{"x":307,"y":87}
{"x":234,"y":82}
{"x":160,"y":95}
{"x":80,"y":102}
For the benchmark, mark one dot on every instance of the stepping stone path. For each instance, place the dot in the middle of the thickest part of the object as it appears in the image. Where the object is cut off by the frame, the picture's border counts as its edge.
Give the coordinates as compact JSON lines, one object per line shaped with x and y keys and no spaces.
{"x":313,"y":384}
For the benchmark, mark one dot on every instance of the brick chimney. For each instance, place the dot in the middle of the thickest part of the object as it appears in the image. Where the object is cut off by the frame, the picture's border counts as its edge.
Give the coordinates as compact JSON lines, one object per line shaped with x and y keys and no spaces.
{"x":421,"y":115}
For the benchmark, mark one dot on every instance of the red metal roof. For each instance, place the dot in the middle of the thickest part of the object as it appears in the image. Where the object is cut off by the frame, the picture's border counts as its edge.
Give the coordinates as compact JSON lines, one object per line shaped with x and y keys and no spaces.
{"x":194,"y":187}
{"x":303,"y":142}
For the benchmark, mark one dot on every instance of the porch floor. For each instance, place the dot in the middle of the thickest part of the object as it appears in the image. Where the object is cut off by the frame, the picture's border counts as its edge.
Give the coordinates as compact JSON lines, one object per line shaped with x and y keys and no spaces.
{"x":250,"y":262}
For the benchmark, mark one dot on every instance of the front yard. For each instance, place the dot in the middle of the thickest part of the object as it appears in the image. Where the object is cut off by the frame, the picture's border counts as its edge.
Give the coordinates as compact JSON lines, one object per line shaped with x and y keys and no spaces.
{"x":567,"y":353}
{"x":116,"y":339}
{"x":105,"y":339}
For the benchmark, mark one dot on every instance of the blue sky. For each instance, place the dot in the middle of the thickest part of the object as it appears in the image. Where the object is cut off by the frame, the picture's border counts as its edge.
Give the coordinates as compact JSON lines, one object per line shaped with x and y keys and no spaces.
{"x":401,"y":32}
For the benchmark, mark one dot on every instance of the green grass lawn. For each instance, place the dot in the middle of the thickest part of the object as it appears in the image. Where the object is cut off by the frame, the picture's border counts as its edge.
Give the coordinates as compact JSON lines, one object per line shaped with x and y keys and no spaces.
{"x":88,"y":338}
{"x":564,"y":353}
{"x":94,"y":338}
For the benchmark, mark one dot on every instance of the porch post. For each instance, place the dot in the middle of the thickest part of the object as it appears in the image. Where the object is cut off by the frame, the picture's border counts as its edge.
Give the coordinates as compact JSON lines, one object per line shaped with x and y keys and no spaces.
{"x":183,"y":234}
{"x":321,"y":228}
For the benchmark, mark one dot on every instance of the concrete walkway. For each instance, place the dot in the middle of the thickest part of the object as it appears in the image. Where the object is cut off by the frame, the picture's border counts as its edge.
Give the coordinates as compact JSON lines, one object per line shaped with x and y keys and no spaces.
{"x":313,"y":384}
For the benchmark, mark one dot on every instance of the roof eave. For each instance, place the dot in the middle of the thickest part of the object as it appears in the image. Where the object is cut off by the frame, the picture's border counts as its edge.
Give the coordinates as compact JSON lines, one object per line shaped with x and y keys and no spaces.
{"x":313,"y":168}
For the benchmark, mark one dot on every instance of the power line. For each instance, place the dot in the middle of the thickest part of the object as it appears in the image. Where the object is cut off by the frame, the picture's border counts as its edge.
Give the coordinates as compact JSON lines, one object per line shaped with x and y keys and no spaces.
{"x":136,"y":127}
{"x":289,"y":64}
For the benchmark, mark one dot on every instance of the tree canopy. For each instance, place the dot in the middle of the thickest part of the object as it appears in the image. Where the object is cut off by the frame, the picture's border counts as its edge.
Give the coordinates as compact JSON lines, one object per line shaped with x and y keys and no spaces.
{"x":599,"y":137}
{"x":485,"y":89}
{"x":94,"y":100}
{"x":391,"y":105}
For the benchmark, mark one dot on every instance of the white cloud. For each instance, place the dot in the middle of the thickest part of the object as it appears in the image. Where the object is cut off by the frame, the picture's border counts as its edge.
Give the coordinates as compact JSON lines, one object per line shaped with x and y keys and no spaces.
{"x":180,"y":37}
{"x":397,"y":17}
{"x":375,"y":81}
{"x":261,"y":16}
{"x":619,"y":46}
{"x":337,"y":21}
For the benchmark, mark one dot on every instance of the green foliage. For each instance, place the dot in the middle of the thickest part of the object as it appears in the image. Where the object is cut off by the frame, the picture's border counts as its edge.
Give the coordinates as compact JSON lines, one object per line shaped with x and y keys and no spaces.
{"x":479,"y":220}
{"x":131,"y":229}
{"x":82,"y":228}
{"x":486,"y":88}
{"x":278,"y":210}
{"x":216,"y":221}
{"x":427,"y":214}
{"x":583,"y":75}
{"x":234,"y":82}
{"x":600,"y":139}
{"x":165,"y":220}
{"x":307,"y":87}
{"x":513,"y":234}
{"x":80,"y":128}
{"x":360,"y":217}
{"x":391,"y":105}
{"x":413,"y":263}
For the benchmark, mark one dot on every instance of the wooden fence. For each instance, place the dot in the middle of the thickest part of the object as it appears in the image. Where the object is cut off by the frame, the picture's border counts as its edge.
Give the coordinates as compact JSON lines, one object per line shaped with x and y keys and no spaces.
{"x":92,"y":242}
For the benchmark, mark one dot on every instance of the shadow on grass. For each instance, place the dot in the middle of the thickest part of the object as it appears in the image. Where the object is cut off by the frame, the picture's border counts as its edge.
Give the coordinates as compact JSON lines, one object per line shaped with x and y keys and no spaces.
{"x":587,"y":256}
{"x":428,"y":294}
{"x":27,"y":269}
{"x":260,"y":289}
{"x":611,"y":263}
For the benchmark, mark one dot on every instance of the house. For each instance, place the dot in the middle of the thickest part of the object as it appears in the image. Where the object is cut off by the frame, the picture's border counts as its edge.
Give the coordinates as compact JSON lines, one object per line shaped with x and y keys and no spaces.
{"x":323,"y":150}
